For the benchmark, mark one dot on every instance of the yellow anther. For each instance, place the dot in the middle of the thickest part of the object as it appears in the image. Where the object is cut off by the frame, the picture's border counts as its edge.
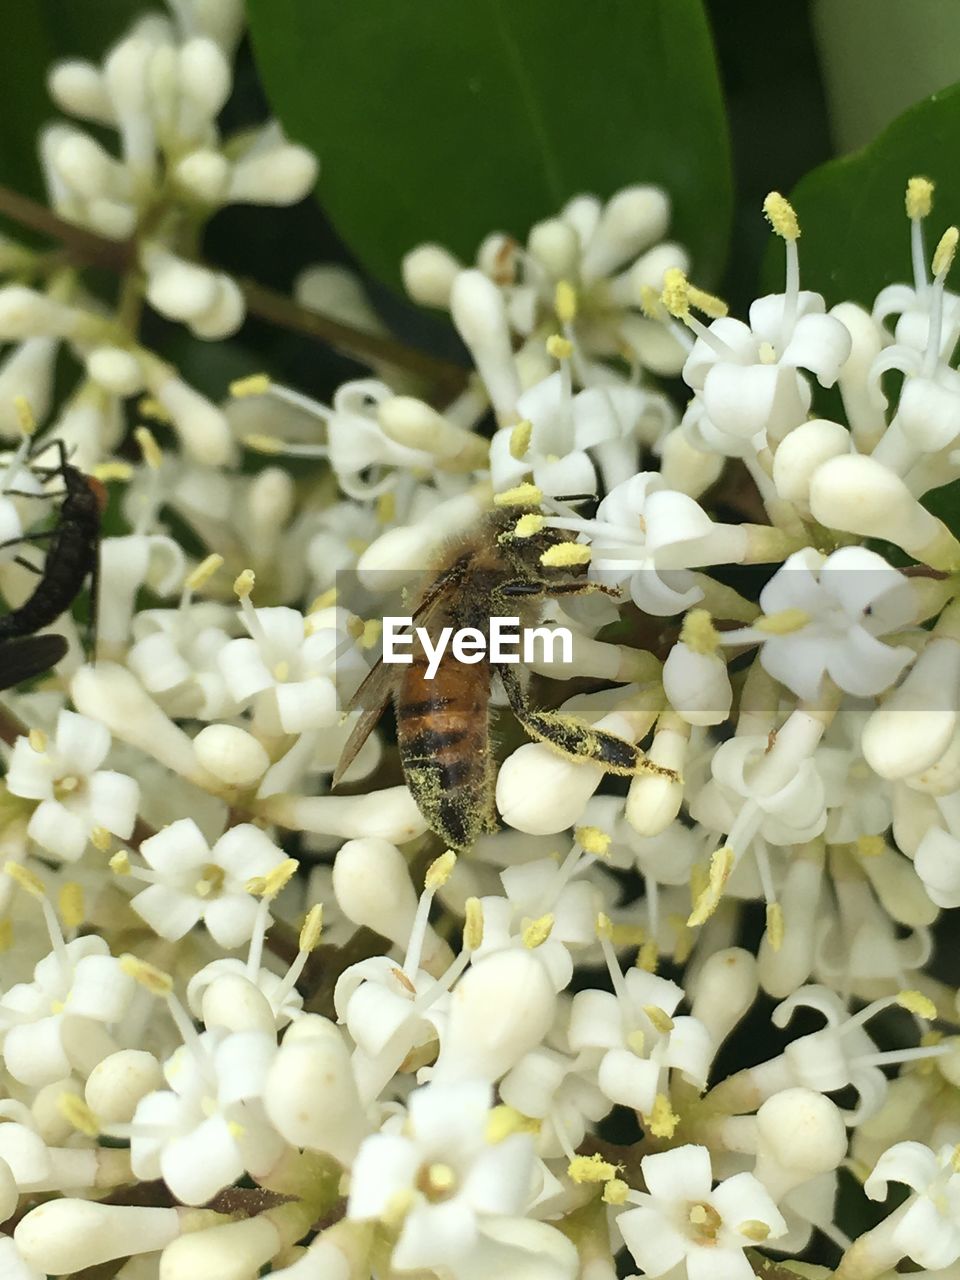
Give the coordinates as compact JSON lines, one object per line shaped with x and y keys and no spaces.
{"x":559,"y":347}
{"x":211,"y":881}
{"x":754,"y":1230}
{"x":244,"y":583}
{"x":256,"y":886}
{"x":277,"y":879}
{"x":662,"y":1120}
{"x":70,"y":904}
{"x":698,"y":632}
{"x":370,"y":635}
{"x":439,"y":871}
{"x":255,"y":384}
{"x":781,"y":216}
{"x":6,"y":934}
{"x":650,"y":303}
{"x":565,"y":302}
{"x":106,"y":471}
{"x":236,"y":1129}
{"x":264,"y":444}
{"x":916,"y":1002}
{"x":148,"y":975}
{"x":281,"y":671}
{"x":721,"y":865}
{"x":565,"y":555}
{"x":708,"y":303}
{"x":536,"y":932}
{"x":312,"y":928}
{"x":203,"y":572}
{"x":783,"y":623}
{"x":101,"y":839}
{"x":325,"y":600}
{"x":591,"y":1169}
{"x":636,"y":1041}
{"x":919,"y":198}
{"x":26,"y":879}
{"x":473,"y":924}
{"x":676,"y":293}
{"x":945,"y":251}
{"x":661,"y":1020}
{"x":150,"y":451}
{"x":523,"y":495}
{"x":503,"y":1121}
{"x":603,"y":926}
{"x":593,"y":841}
{"x":25,"y":419}
{"x":870,"y":846}
{"x":775,"y":925}
{"x":119,"y":864}
{"x":76,"y":1112}
{"x":520,"y":438}
{"x":440,"y":1179}
{"x":648,"y":957}
{"x":616,"y":1191}
{"x":387,"y":507}
{"x":153,"y":409}
{"x":528,"y":526}
{"x":38,"y":740}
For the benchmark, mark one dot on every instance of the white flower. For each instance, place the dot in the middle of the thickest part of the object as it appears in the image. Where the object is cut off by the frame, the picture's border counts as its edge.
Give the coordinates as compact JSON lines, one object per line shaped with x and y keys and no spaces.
{"x":190,"y":881}
{"x":937,"y":863}
{"x":77,"y":798}
{"x":680,"y":1220}
{"x":209,"y":1127}
{"x":442,"y":1177}
{"x":176,"y":658}
{"x":927,"y":1227}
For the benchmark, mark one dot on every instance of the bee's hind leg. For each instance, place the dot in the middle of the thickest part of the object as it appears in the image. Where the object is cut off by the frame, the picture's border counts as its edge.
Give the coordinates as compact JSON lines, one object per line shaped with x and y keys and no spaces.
{"x":575,"y":738}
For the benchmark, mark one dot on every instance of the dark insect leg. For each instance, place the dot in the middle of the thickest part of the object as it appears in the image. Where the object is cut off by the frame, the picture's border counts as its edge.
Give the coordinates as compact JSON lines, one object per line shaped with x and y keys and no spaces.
{"x":24,"y":657}
{"x":577,"y":739}
{"x":548,"y":589}
{"x":28,"y":537}
{"x":25,"y":564}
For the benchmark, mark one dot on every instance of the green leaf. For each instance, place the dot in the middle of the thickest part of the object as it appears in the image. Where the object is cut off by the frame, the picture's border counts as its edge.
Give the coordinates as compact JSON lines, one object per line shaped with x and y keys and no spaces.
{"x":856,"y":237}
{"x":441,"y":121}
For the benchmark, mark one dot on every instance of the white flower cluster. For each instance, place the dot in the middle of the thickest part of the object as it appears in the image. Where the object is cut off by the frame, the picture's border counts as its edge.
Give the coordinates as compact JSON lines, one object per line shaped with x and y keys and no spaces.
{"x":249,"y":1024}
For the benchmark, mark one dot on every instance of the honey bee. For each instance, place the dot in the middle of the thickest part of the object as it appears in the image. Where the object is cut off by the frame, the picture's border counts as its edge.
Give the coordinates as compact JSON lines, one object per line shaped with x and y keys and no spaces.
{"x":443,"y":723}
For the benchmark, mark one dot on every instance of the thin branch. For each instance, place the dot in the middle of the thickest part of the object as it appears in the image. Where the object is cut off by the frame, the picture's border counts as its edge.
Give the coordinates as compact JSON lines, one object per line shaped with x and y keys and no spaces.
{"x":86,"y":248}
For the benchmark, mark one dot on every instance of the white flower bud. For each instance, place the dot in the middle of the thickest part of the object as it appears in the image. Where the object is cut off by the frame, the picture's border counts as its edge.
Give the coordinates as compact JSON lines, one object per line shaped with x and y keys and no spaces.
{"x":685,"y":469}
{"x":784,"y":969}
{"x":116,"y":1085}
{"x":697,"y":685}
{"x":858,"y":495}
{"x":630,"y":220}
{"x":556,"y":246}
{"x":542,"y":792}
{"x":802,"y":451}
{"x":77,"y":88}
{"x":24,"y":313}
{"x":204,"y":75}
{"x":653,"y":800}
{"x":112,"y":218}
{"x":85,"y":167}
{"x":863,"y":411}
{"x":725,"y":988}
{"x":203,"y":174}
{"x":47,"y":1112}
{"x":232,"y":1251}
{"x":234,"y":1003}
{"x":202,"y":427}
{"x":478,"y":311}
{"x":282,"y":175}
{"x":649,"y":269}
{"x":27,"y":374}
{"x":390,"y":814}
{"x":271,"y":500}
{"x":226,"y":314}
{"x":116,"y":370}
{"x":499,"y":1010}
{"x":112,"y":695}
{"x":64,"y":1236}
{"x":800,"y":1134}
{"x":176,"y":288}
{"x":916,"y":724}
{"x":406,"y":551}
{"x":126,"y":76}
{"x":373,"y":888}
{"x":311,"y":1094}
{"x":337,"y":291}
{"x":231,"y":754}
{"x":428,"y":274}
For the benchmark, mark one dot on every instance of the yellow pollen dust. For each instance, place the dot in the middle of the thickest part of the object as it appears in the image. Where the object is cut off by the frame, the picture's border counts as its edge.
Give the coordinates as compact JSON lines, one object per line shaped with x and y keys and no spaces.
{"x":26,"y":879}
{"x":698,"y":632}
{"x":101,"y":839}
{"x":281,"y":671}
{"x":503,"y":1121}
{"x":662,"y":1120}
{"x":150,"y":451}
{"x":264,"y":443}
{"x":565,"y":555}
{"x":781,"y":216}
{"x":106,"y":471}
{"x":593,"y":841}
{"x":277,"y":879}
{"x":204,"y":571}
{"x":783,"y":623}
{"x":661,"y":1020}
{"x":520,"y":438}
{"x":119,"y":864}
{"x":676,"y":293}
{"x":648,"y":957}
{"x":38,"y":740}
{"x":528,"y":526}
{"x":243,"y":584}
{"x":473,"y":924}
{"x":70,"y":904}
{"x":559,"y":347}
{"x":439,"y":871}
{"x":916,"y":1002}
{"x":636,"y":1042}
{"x":615,"y":1192}
{"x":148,"y":975}
{"x":919,"y":197}
{"x":536,"y":932}
{"x":25,"y":419}
{"x":708,"y":303}
{"x":76,"y":1112}
{"x":775,"y":925}
{"x":754,"y":1230}
{"x":438,"y":1180}
{"x":603,"y":926}
{"x":312,"y":928}
{"x":945,"y":251}
{"x":870,"y":846}
{"x":721,"y":865}
{"x":523,"y":495}
{"x":565,"y":301}
{"x":255,"y":384}
{"x":591,"y":1169}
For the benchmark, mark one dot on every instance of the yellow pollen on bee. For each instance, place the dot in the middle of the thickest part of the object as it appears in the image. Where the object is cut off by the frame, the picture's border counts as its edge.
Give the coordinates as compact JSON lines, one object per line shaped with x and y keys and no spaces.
{"x":565,"y":301}
{"x":440,"y":871}
{"x":781,"y":215}
{"x":593,"y":841}
{"x":255,"y":384}
{"x":204,"y":571}
{"x":528,"y":526}
{"x":243,"y":584}
{"x":520,"y":437}
{"x":916,"y":1002}
{"x":591,"y":1169}
{"x":919,"y":197}
{"x":783,"y":623}
{"x":522,"y":495}
{"x":945,"y":251}
{"x":698,"y":632}
{"x":536,"y":932}
{"x":148,"y":975}
{"x":25,"y":417}
{"x":261,"y":443}
{"x":566,"y":555}
{"x":26,"y":879}
{"x":38,"y":740}
{"x":559,"y":347}
{"x":775,"y":925}
{"x":473,"y":924}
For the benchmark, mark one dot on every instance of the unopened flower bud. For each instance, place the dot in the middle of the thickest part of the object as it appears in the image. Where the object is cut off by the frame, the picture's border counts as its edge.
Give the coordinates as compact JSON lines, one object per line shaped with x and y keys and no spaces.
{"x":373,"y":888}
{"x":477,"y":307}
{"x":231,"y":754}
{"x":556,"y":246}
{"x":785,"y":968}
{"x":78,"y":89}
{"x":204,"y":74}
{"x":202,"y":427}
{"x":697,"y":684}
{"x":725,"y":988}
{"x":24,"y":313}
{"x":800,"y":1134}
{"x":234,"y":1003}
{"x":203,"y":174}
{"x":116,"y":370}
{"x":64,"y":1236}
{"x":685,"y":469}
{"x":915,"y":725}
{"x":282,"y":175}
{"x":802,"y":451}
{"x":428,"y":274}
{"x":229,"y":1251}
{"x":311,"y":1094}
{"x":119,"y":1081}
{"x":632,"y":219}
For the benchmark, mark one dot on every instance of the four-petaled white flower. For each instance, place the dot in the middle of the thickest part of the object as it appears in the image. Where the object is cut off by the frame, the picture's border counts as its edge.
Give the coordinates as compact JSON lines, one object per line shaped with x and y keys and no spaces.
{"x":926,"y":1227}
